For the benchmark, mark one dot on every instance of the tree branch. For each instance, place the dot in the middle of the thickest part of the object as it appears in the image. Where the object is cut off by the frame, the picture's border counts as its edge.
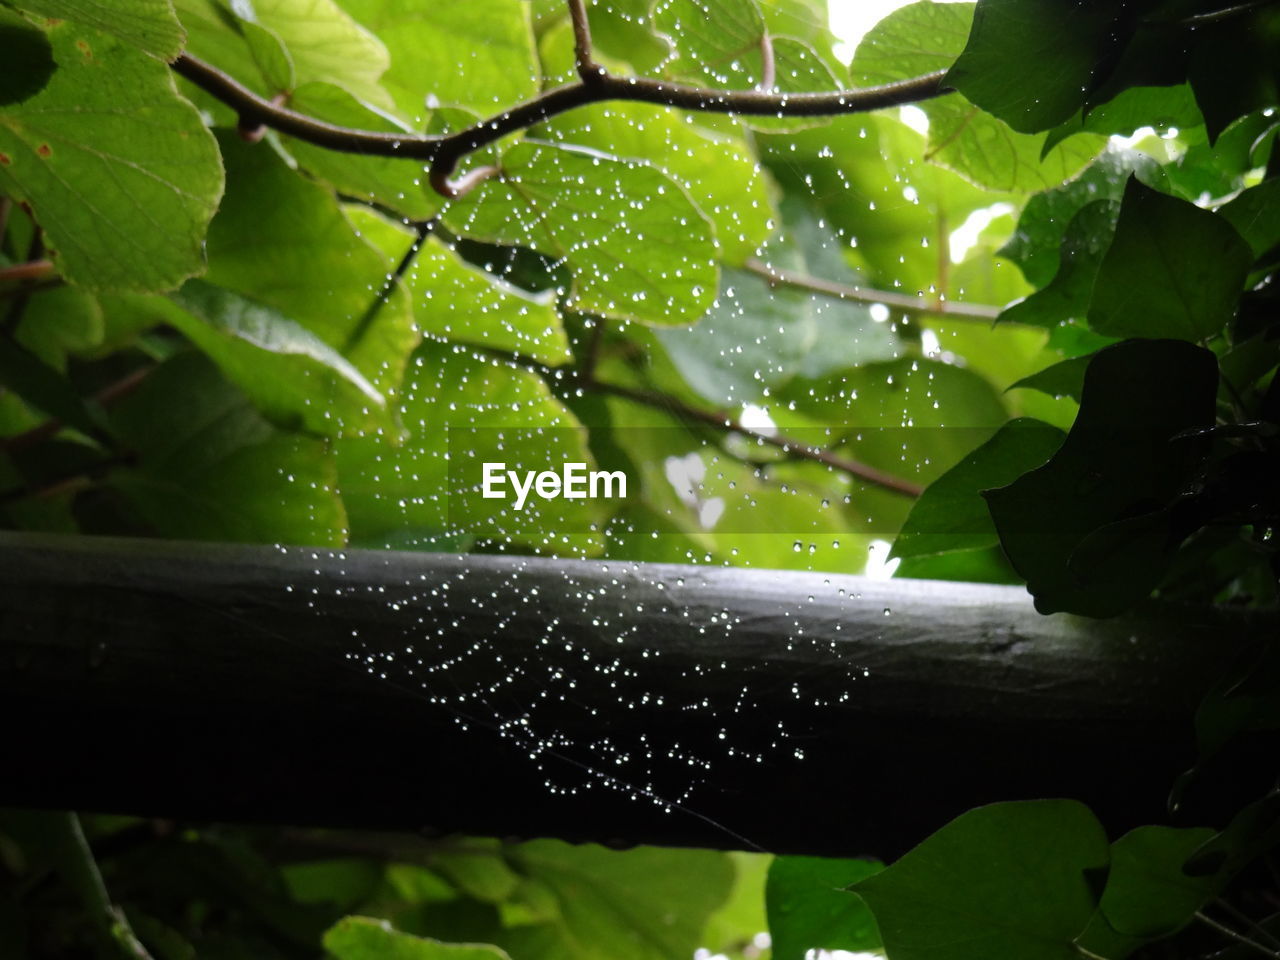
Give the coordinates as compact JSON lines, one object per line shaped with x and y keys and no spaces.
{"x":444,"y":152}
{"x":793,"y":448}
{"x":31,"y":270}
{"x":777,"y":277}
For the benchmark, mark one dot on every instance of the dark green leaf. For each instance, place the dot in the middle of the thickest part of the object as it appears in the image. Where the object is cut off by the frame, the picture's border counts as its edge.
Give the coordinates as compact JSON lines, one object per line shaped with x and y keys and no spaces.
{"x":209,"y":467}
{"x":810,"y":907}
{"x":43,"y":386}
{"x":1148,"y":896}
{"x":1036,"y":242}
{"x":951,"y":515}
{"x":1005,"y":880}
{"x":1029,"y":63}
{"x":1255,"y":214}
{"x":1172,"y":270}
{"x":1114,"y":481}
{"x":926,"y":36}
{"x":28,"y":59}
{"x":1065,"y":379}
{"x":1067,"y":296}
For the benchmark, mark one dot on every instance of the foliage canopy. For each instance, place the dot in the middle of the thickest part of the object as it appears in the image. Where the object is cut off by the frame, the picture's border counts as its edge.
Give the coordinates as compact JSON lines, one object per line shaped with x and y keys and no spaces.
{"x":270,"y":271}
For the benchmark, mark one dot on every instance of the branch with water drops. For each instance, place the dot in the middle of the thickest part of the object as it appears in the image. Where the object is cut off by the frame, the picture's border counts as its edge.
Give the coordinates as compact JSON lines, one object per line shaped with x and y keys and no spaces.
{"x":913,"y":306}
{"x":595,"y":85}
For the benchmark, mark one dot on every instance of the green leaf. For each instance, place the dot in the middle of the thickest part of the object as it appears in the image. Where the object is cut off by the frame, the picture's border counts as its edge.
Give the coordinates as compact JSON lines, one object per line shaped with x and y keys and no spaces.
{"x":1165,"y":109}
{"x":926,"y":36}
{"x":273,"y":46}
{"x":715,"y":42}
{"x":1255,"y":213}
{"x":1029,"y":64}
{"x":29,"y":56}
{"x":149,"y":25}
{"x":42,"y":386}
{"x":391,"y":181}
{"x":455,"y":301}
{"x":461,"y":410}
{"x":719,"y":172}
{"x":364,"y":938}
{"x":1005,"y":880}
{"x":1065,"y":379}
{"x":478,"y":54}
{"x":644,"y":903}
{"x":983,"y":148}
{"x":951,"y":515}
{"x":209,"y":467}
{"x":1172,"y":270}
{"x":637,"y":246}
{"x":865,"y":175}
{"x":1091,"y":530}
{"x":810,"y":907}
{"x":59,"y":322}
{"x":285,"y":243}
{"x":1148,"y":896}
{"x":1036,"y":242}
{"x":118,"y":169}
{"x":1232,"y":67}
{"x":326,"y":45}
{"x":1067,"y":296}
{"x":294,"y":377}
{"x":756,"y":339}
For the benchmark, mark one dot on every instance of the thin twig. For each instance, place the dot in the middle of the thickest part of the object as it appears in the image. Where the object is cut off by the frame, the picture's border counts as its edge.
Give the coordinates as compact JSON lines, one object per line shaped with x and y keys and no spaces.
{"x":444,"y":151}
{"x":105,"y":397}
{"x":1236,"y":935}
{"x":422,"y":231}
{"x":5,"y":206}
{"x":588,"y":69}
{"x":31,"y":270}
{"x":791,"y":447}
{"x":18,"y":305}
{"x":592,"y":358}
{"x":82,"y":875}
{"x":778,"y":277}
{"x":1248,"y":921}
{"x":768,"y":64}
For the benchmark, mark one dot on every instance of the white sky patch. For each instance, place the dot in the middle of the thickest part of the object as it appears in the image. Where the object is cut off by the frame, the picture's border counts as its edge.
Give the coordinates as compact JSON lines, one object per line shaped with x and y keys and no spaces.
{"x":757,"y":418}
{"x":1127,"y":143}
{"x":965,"y":237}
{"x":851,"y":19}
{"x":879,"y":567}
{"x":915,"y":118}
{"x":930,"y":345}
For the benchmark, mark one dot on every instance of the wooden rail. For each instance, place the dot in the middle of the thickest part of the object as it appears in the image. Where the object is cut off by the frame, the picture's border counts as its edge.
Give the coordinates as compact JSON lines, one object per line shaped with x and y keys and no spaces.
{"x":264,"y":684}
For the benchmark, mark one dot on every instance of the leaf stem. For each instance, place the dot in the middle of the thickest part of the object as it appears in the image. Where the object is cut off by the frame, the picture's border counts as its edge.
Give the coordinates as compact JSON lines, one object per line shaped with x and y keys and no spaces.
{"x":31,"y":270}
{"x":444,"y":151}
{"x":793,"y":448}
{"x":423,"y":230}
{"x":1235,"y":935}
{"x":777,"y":277}
{"x":81,"y":873}
{"x":590,"y":71}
